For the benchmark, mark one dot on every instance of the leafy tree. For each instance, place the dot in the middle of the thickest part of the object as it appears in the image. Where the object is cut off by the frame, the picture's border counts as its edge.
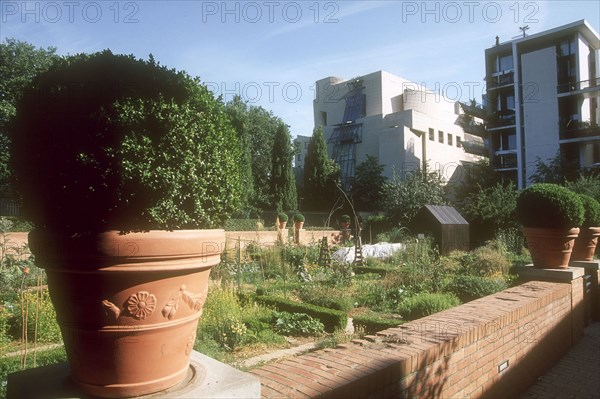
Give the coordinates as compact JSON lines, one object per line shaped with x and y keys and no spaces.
{"x":405,"y":195}
{"x":320,"y":173}
{"x":589,"y":185}
{"x":494,"y":207}
{"x":283,"y":182}
{"x":19,"y":63}
{"x":256,"y":128}
{"x":368,"y":184}
{"x":478,"y":176}
{"x":238,"y":114}
{"x":555,"y":170}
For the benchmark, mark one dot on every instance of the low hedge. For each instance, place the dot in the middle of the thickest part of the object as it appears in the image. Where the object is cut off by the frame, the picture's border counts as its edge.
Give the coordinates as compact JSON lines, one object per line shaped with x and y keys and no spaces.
{"x":331,"y":319}
{"x":244,"y":224}
{"x":374,"y":322}
{"x":382,"y":271}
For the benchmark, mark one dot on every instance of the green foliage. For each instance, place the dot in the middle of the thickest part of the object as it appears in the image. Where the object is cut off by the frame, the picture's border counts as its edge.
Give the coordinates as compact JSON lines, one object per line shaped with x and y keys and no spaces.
{"x":405,"y":195}
{"x":320,"y":172}
{"x":493,"y":206}
{"x":372,"y":322}
{"x":137,"y":146}
{"x":425,"y":304}
{"x":555,"y":170}
{"x":36,"y":309}
{"x":283,"y":182}
{"x":298,"y":217}
{"x":256,"y":128}
{"x":5,"y":317}
{"x":229,"y":323}
{"x":345,"y":219}
{"x":327,"y":297}
{"x":381,"y":270}
{"x":330,"y":318}
{"x":592,"y":211}
{"x":393,"y":235}
{"x":19,"y":63}
{"x":297,"y":324}
{"x":478,"y":176}
{"x":296,"y":257}
{"x":243,"y":224}
{"x":549,"y":205}
{"x":468,"y":287}
{"x":283,"y":217}
{"x":367,"y":185}
{"x":589,"y":185}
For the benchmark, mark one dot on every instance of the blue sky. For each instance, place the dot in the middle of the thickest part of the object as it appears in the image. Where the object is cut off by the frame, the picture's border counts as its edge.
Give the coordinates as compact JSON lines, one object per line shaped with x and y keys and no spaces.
{"x":272,"y":52}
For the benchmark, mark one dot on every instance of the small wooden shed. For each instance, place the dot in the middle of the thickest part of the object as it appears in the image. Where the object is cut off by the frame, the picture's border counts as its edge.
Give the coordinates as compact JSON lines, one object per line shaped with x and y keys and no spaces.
{"x":448,"y":228}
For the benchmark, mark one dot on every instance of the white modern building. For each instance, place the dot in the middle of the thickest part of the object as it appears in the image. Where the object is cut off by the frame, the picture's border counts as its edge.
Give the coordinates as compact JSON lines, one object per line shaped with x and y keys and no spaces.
{"x":404,"y":125}
{"x":542,"y":95}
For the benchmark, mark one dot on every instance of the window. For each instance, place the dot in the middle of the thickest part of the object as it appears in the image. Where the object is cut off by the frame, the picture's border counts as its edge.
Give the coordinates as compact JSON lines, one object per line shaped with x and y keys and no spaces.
{"x":440,"y":136}
{"x":567,"y":47}
{"x":458,"y":142}
{"x":449,"y":139}
{"x":505,"y":63}
{"x":510,"y":102}
{"x":324,"y":118}
{"x":363,"y":111}
{"x":431,"y":134}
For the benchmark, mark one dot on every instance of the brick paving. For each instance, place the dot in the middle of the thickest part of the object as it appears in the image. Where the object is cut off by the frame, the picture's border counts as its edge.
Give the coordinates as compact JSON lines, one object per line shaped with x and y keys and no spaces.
{"x":577,"y":375}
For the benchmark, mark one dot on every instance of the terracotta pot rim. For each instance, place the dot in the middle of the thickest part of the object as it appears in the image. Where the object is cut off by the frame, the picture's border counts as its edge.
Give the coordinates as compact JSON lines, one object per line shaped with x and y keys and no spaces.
{"x":113,"y":251}
{"x":552,"y":230}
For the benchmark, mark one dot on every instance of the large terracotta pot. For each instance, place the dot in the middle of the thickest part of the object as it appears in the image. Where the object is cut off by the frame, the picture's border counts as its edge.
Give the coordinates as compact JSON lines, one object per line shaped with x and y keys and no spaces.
{"x":550,"y":248}
{"x":585,"y":244}
{"x":128,"y":304}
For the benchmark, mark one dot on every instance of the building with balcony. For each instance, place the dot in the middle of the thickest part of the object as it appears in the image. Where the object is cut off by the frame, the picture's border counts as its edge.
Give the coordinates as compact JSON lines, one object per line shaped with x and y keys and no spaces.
{"x":542,"y":99}
{"x":404,"y":125}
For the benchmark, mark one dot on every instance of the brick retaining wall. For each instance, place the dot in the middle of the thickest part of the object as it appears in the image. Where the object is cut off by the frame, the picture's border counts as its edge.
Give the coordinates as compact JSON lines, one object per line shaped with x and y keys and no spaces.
{"x":457,"y":353}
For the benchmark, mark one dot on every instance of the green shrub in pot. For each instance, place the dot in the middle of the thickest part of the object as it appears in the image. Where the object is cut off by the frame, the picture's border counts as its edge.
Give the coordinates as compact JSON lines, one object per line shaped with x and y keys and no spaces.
{"x":549,"y":205}
{"x":125,"y":169}
{"x":586,"y":243}
{"x":551,"y":216}
{"x":108,"y":141}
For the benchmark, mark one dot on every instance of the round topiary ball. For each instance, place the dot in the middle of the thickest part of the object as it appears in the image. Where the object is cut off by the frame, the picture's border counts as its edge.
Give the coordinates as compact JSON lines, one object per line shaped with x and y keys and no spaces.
{"x":548,"y":205}
{"x":592,"y":211}
{"x":111,"y":142}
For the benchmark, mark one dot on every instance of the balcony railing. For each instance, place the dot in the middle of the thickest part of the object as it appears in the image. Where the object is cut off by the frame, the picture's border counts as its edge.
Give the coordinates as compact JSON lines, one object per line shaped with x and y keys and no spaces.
{"x":569,"y":129}
{"x":502,"y":119}
{"x":508,"y":161}
{"x":503,"y":79}
{"x":576,"y":86}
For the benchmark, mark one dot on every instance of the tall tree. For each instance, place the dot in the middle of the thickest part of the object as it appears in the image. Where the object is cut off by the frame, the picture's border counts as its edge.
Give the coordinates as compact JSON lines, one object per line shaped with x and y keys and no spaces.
{"x":256,"y":128}
{"x":367,"y":185}
{"x":19,"y":63}
{"x":319,"y":174}
{"x":283,"y":182}
{"x":238,"y":114}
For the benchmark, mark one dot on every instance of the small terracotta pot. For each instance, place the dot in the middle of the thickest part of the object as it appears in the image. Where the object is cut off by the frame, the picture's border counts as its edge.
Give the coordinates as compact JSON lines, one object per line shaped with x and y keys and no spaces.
{"x":550,"y":248}
{"x":128,"y":304}
{"x":585,"y":244}
{"x":298,"y":225}
{"x":282,"y":225}
{"x":345,"y":225}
